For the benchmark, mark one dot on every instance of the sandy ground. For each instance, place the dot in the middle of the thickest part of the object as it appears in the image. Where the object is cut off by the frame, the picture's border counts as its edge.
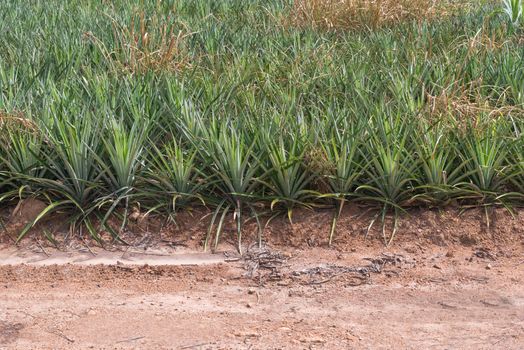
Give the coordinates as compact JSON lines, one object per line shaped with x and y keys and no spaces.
{"x":317,"y":298}
{"x":447,"y":282}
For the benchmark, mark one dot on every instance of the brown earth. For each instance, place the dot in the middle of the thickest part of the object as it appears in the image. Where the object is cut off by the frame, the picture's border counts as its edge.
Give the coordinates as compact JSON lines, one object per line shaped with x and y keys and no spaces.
{"x":447,"y":282}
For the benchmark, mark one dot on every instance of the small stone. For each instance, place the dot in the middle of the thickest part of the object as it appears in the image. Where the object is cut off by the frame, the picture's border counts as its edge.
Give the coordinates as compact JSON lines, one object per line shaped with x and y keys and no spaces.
{"x":312,"y":340}
{"x":437,"y":267}
{"x":411,"y":250}
{"x":248,"y":334}
{"x":488,"y":267}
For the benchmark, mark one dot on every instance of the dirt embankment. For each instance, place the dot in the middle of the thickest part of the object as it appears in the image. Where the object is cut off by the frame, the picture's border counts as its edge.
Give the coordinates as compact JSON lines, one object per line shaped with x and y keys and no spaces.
{"x":446,"y":282}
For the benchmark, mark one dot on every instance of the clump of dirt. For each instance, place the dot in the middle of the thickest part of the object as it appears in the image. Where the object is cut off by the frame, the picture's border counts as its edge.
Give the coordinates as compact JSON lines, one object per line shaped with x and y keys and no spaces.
{"x":14,"y":219}
{"x":27,"y":211}
{"x":468,"y":239}
{"x":9,"y":332}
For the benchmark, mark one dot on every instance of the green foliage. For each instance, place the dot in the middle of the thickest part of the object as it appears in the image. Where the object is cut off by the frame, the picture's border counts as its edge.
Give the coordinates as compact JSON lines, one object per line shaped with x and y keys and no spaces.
{"x":514,"y":10}
{"x":391,"y":175}
{"x":233,"y":163}
{"x":172,"y":177}
{"x":288,"y":176}
{"x":440,"y":167}
{"x":342,"y":163}
{"x":253,"y":117}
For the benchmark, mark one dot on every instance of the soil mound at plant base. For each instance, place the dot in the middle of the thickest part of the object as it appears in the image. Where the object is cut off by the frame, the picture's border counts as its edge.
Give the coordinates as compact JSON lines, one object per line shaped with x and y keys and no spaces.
{"x":27,"y":210}
{"x":446,"y":228}
{"x":449,"y":227}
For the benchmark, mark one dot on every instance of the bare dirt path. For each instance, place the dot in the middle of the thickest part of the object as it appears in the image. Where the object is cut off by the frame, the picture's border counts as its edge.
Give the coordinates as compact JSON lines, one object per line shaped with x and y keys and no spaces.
{"x":317,"y":298}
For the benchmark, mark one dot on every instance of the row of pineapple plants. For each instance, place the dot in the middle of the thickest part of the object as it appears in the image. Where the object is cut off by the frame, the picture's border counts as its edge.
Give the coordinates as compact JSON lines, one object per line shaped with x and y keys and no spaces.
{"x":175,"y":104}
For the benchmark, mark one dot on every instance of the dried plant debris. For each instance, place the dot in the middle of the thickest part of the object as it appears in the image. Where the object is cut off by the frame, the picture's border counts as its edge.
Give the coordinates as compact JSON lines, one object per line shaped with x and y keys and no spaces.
{"x":355,"y":14}
{"x":263,"y":258}
{"x":274,"y":265}
{"x":484,"y":253}
{"x":354,"y":276}
{"x":397,"y":260}
{"x":146,"y":43}
{"x":16,"y":121}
